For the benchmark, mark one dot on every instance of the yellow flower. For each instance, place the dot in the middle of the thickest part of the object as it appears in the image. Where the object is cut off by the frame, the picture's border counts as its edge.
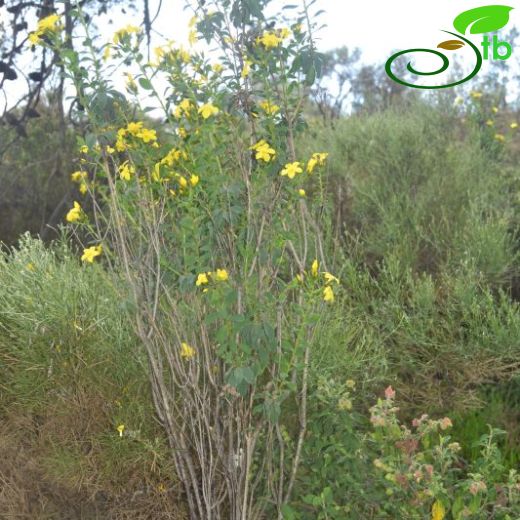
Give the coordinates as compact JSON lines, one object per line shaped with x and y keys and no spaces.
{"x":475,"y":94}
{"x":156,"y":174}
{"x":291,"y":169}
{"x":217,"y":67}
{"x":350,"y":383}
{"x":192,"y":37}
{"x":78,"y":176}
{"x":246,"y":69}
{"x":171,"y":157}
{"x":329,"y":278}
{"x":489,"y":122}
{"x":317,"y":159}
{"x":106,"y":53}
{"x":187,"y":352}
{"x":182,"y":181}
{"x":202,"y":279}
{"x":314,"y":268}
{"x":120,"y":429}
{"x":495,"y":110}
{"x":74,"y":214}
{"x":181,"y":132}
{"x":126,"y":171}
{"x":328,"y":294}
{"x":184,"y":55}
{"x":83,"y":188}
{"x":147,"y":135}
{"x":263,"y":151}
{"x":110,"y":150}
{"x":90,"y":253}
{"x":285,"y":33}
{"x":438,"y":511}
{"x":49,"y":23}
{"x":269,"y":108}
{"x":301,"y":192}
{"x":221,"y":275}
{"x":194,"y":180}
{"x":500,"y":137}
{"x":299,"y":277}
{"x":184,"y":107}
{"x":133,"y":128}
{"x":269,"y":40}
{"x":30,"y":266}
{"x":34,"y":38}
{"x":514,"y":125}
{"x":130,"y":82}
{"x":129,"y":29}
{"x":207,"y":110}
{"x":84,"y":149}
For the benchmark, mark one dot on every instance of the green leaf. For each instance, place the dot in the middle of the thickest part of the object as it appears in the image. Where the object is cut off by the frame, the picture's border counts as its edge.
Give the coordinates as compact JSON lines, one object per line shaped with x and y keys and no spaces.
{"x":288,"y":512}
{"x":483,"y":19}
{"x":145,"y":83}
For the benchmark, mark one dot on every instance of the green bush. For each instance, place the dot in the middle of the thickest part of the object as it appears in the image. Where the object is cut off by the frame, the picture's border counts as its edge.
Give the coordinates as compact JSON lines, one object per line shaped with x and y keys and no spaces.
{"x":71,"y":374}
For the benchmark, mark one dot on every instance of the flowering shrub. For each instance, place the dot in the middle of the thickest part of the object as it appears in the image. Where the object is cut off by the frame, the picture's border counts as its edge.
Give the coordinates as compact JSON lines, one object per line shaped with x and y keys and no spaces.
{"x":214,"y":218}
{"x":421,"y":470}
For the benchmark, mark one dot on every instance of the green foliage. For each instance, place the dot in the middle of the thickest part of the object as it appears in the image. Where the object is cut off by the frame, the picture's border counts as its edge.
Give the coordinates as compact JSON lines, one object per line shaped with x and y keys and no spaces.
{"x":69,"y":364}
{"x":34,"y":176}
{"x":207,"y":286}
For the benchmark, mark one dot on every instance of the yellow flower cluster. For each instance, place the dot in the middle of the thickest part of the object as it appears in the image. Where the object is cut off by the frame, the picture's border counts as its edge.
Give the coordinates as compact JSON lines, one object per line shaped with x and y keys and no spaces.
{"x":75,"y":213}
{"x":169,"y":53}
{"x":317,"y":159}
{"x":263,"y":151}
{"x":328,"y":292}
{"x":272,"y":39}
{"x":173,"y":156}
{"x":80,"y":177}
{"x":49,"y":24}
{"x":269,"y":108}
{"x":295,"y":168}
{"x":183,"y":183}
{"x":129,"y":29}
{"x":220,"y":275}
{"x":183,"y":108}
{"x":90,"y":253}
{"x":135,"y":129}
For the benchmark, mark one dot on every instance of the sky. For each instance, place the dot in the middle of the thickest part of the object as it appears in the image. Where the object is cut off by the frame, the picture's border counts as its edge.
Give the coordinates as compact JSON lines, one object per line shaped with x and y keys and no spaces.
{"x":377,"y":27}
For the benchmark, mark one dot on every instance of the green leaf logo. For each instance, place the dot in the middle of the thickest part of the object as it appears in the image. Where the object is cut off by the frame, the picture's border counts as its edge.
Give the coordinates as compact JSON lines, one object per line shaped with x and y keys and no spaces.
{"x":483,"y":19}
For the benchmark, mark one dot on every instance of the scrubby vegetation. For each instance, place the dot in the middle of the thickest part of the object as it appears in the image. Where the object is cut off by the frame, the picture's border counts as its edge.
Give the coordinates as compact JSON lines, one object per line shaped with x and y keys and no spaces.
{"x":254,"y":314}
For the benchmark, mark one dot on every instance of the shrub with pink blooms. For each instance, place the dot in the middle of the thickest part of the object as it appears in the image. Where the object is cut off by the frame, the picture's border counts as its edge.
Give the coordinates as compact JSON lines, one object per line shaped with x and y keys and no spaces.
{"x":421,"y":469}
